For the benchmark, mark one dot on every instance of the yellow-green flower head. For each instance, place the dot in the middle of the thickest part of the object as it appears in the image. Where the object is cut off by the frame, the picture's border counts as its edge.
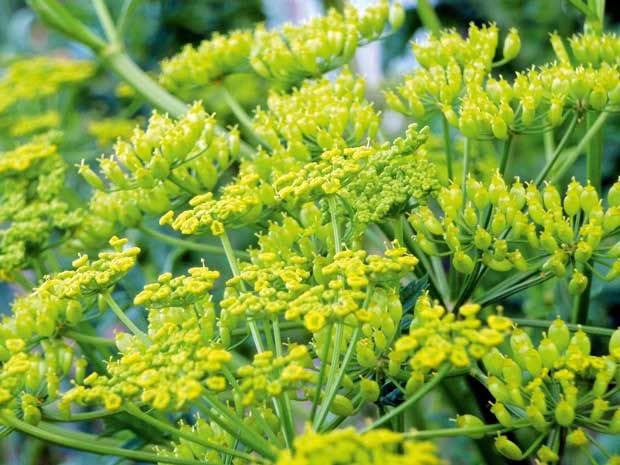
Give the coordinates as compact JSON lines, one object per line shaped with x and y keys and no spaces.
{"x":31,"y":205}
{"x":179,"y":291}
{"x":208,"y":62}
{"x":38,"y":77}
{"x":551,"y":382}
{"x":319,"y":115}
{"x":240,"y":203}
{"x":28,"y":124}
{"x":547,"y":225}
{"x":269,"y":376}
{"x":593,"y":49}
{"x":324,"y":43}
{"x":346,"y":446}
{"x":109,"y":130}
{"x":182,"y":362}
{"x":436,"y":336}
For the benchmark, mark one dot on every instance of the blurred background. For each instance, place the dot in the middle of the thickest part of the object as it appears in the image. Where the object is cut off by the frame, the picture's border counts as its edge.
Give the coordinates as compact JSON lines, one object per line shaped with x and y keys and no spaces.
{"x":159,"y":28}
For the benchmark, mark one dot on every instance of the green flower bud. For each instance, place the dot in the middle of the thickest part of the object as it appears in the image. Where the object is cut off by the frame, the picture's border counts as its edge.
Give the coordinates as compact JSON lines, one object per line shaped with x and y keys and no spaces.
{"x":564,"y":413}
{"x":559,"y":335}
{"x":577,"y":283}
{"x":614,"y":344}
{"x":546,"y":454}
{"x":536,"y":417}
{"x":369,"y":390}
{"x":581,"y":342}
{"x":462,"y":262}
{"x":470,"y":421}
{"x":396,"y":16}
{"x":508,"y":448}
{"x":613,"y":196}
{"x":341,"y":406}
{"x":502,"y":415}
{"x":512,"y":44}
{"x":493,"y":362}
{"x":548,"y":352}
{"x":498,"y":389}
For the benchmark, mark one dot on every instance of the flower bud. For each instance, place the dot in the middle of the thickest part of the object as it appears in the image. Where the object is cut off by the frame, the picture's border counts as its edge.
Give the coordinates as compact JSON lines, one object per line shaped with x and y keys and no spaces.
{"x":502,"y":414}
{"x":508,"y":448}
{"x":462,"y":262}
{"x":613,"y":196}
{"x":559,"y":335}
{"x":369,"y":390}
{"x":512,"y":44}
{"x":564,"y":413}
{"x":396,"y":16}
{"x":577,"y":283}
{"x":614,"y":344}
{"x":581,"y":342}
{"x":470,"y":421}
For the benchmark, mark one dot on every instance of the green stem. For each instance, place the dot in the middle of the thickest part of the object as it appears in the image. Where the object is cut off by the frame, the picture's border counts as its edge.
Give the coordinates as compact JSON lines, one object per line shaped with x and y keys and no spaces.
{"x":282,"y":326}
{"x":558,"y":150}
{"x":106,"y":21}
{"x":590,"y":133}
{"x":242,"y":116}
{"x":23,"y":281}
{"x":87,"y":339}
{"x":428,"y":17}
{"x":125,"y":319}
{"x":188,"y":244}
{"x":443,"y":371}
{"x":333,"y":369}
{"x":503,"y":164}
{"x":572,"y":327}
{"x":285,"y":401}
{"x":319,"y":384}
{"x":77,"y":417}
{"x":447,"y":145}
{"x":450,"y":432}
{"x":93,"y":446}
{"x":127,"y":10}
{"x":465,"y":168}
{"x":331,"y":201}
{"x":230,"y":253}
{"x":162,"y":426}
{"x":335,"y":384}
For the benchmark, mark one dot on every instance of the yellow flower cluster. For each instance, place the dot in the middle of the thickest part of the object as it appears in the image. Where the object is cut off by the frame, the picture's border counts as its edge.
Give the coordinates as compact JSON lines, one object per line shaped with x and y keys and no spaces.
{"x":38,"y":77}
{"x":319,"y":115}
{"x":240,"y":203}
{"x":180,"y":363}
{"x":31,"y":206}
{"x":345,"y":283}
{"x":179,"y":291}
{"x":347,"y":447}
{"x":559,"y":382}
{"x":270,"y":376}
{"x":589,"y":48}
{"x":436,"y":336}
{"x":28,"y":124}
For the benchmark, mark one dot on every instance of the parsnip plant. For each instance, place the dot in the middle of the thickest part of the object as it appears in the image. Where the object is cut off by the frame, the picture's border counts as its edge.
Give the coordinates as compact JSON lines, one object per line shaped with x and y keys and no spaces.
{"x":379,"y":272}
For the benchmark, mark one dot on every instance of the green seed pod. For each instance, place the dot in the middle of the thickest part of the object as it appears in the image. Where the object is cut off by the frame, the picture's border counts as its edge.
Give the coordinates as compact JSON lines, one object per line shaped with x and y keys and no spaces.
{"x":91,"y":178}
{"x":599,"y":407}
{"x":546,"y":454}
{"x":32,"y":415}
{"x":614,"y":425}
{"x":413,"y":384}
{"x":533,"y":362}
{"x":536,"y":417}
{"x":502,"y":415}
{"x":498,"y":389}
{"x":493,"y":362}
{"x":559,"y":335}
{"x":508,"y":448}
{"x":396,"y":16}
{"x":564,"y":413}
{"x":470,"y":421}
{"x":613,"y":196}
{"x":601,"y":382}
{"x":369,"y":390}
{"x":341,"y":406}
{"x":462,"y":262}
{"x":577,"y":283}
{"x":512,"y":372}
{"x":512,"y":44}
{"x":80,"y":370}
{"x":614,"y":344}
{"x":74,"y":312}
{"x":548,"y":352}
{"x":581,"y":342}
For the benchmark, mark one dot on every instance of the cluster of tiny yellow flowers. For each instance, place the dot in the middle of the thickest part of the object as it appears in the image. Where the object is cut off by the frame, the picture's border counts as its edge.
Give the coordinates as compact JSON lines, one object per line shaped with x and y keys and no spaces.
{"x":31,"y":205}
{"x":38,"y":77}
{"x":557,"y":383}
{"x":588,"y":48}
{"x":181,"y":359}
{"x":346,"y":446}
{"x":28,"y":124}
{"x":108,"y":130}
{"x":525,"y":229}
{"x":436,"y":337}
{"x":319,"y":115}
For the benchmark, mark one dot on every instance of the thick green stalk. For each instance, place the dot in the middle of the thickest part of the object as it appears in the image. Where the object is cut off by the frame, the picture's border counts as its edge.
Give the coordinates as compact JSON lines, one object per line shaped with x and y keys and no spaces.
{"x":443,"y":371}
{"x":94,"y":446}
{"x":126,"y":320}
{"x":450,"y":432}
{"x":284,"y":400}
{"x":331,"y":201}
{"x":319,"y":384}
{"x":333,"y":369}
{"x":105,"y":19}
{"x":594,"y":161}
{"x":88,"y":339}
{"x":189,"y":245}
{"x":428,"y":17}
